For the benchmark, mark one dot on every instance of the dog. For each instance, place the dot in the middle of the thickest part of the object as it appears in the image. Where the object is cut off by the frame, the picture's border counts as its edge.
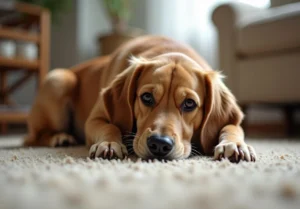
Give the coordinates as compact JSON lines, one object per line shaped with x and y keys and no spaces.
{"x":152,"y":88}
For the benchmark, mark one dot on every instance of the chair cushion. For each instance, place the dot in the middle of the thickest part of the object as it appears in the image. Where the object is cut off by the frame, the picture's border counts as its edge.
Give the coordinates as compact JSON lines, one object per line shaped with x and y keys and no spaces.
{"x":276,"y":30}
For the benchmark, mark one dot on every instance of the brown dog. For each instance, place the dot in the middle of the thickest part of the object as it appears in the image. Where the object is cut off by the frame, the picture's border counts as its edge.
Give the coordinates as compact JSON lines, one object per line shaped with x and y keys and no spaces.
{"x":152,"y":88}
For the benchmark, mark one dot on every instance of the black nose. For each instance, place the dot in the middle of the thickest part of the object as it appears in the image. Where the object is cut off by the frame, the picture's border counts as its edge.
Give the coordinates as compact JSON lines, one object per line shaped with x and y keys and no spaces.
{"x":160,"y":145}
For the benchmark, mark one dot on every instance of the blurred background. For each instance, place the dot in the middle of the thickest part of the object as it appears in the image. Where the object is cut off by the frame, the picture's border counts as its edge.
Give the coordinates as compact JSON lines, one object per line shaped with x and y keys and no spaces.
{"x":255,"y":43}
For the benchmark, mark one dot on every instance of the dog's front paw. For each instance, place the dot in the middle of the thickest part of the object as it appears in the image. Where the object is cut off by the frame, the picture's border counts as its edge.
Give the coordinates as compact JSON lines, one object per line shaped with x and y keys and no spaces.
{"x":108,"y":150}
{"x":62,"y":140}
{"x":234,"y":152}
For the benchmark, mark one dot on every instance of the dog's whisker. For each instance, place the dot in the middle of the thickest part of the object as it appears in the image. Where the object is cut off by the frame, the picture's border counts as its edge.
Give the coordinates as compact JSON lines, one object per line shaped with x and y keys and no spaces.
{"x":196,"y":152}
{"x":133,"y":134}
{"x":192,"y":154}
{"x":194,"y":149}
{"x":194,"y":146}
{"x":129,"y":147}
{"x":128,"y":138}
{"x":127,"y":142}
{"x":129,"y":132}
{"x":129,"y":135}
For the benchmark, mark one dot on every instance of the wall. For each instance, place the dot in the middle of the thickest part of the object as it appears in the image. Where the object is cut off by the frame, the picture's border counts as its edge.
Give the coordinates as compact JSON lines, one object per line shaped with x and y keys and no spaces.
{"x":92,"y":22}
{"x":64,"y":47}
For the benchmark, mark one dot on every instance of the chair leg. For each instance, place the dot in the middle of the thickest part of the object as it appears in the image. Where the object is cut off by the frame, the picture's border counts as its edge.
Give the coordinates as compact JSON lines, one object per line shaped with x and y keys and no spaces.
{"x":3,"y":98}
{"x":290,"y":120}
{"x":2,"y":86}
{"x":3,"y":128}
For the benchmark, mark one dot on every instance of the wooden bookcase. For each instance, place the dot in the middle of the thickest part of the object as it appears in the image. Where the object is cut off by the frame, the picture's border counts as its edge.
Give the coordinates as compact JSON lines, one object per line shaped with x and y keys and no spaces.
{"x":15,"y":21}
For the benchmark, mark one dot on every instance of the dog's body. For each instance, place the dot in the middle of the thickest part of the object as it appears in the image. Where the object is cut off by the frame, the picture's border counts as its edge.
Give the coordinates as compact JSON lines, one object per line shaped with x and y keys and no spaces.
{"x":160,"y":65}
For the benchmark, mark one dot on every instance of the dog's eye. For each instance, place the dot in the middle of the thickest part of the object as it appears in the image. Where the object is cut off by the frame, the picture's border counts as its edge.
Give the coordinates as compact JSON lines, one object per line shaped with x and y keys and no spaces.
{"x":188,"y":105}
{"x":148,"y":99}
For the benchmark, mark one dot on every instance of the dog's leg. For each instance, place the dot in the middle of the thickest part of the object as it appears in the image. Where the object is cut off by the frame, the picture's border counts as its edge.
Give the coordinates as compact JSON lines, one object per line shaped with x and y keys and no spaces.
{"x":103,"y":138}
{"x":48,"y":119}
{"x":232,"y":145}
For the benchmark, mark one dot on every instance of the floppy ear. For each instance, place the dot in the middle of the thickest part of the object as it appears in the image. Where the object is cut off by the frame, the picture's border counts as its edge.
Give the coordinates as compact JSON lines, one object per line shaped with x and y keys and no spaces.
{"x":119,"y":96}
{"x":220,"y":109}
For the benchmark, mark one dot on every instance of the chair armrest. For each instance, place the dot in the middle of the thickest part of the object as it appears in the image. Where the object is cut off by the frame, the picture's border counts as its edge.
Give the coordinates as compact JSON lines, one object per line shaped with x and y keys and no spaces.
{"x":226,"y":17}
{"x":235,"y":19}
{"x":231,"y":14}
{"x":276,"y":14}
{"x":241,"y":15}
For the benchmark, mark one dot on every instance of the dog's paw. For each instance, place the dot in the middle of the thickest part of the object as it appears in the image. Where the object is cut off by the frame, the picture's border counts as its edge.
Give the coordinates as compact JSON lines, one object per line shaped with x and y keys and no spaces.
{"x":62,"y":140}
{"x":108,"y":150}
{"x":234,"y":152}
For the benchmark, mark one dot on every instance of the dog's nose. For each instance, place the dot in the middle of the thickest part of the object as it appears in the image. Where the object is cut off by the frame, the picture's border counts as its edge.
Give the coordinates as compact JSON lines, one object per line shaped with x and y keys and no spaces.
{"x":160,"y":145}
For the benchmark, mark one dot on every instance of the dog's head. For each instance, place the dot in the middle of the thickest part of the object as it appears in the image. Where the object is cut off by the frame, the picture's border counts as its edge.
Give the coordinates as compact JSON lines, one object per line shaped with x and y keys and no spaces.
{"x":169,"y":99}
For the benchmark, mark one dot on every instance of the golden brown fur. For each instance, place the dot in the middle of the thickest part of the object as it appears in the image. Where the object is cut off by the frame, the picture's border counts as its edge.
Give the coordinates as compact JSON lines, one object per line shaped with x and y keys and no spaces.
{"x":104,"y":97}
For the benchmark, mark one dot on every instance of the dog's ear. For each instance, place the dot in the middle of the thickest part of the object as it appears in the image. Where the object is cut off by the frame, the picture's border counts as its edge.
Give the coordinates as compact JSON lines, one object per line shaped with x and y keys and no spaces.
{"x":220,"y":109}
{"x":119,"y":96}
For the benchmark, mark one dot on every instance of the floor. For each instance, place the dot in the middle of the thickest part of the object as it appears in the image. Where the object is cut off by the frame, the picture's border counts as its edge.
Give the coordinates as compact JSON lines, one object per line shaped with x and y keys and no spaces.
{"x":66,"y":178}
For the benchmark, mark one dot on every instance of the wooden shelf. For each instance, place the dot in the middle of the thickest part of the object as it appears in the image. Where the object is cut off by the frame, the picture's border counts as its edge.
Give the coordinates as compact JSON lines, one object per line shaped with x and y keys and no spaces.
{"x":15,"y":26}
{"x":13,"y":114}
{"x":29,"y":9}
{"x":18,"y":35}
{"x":19,"y":63}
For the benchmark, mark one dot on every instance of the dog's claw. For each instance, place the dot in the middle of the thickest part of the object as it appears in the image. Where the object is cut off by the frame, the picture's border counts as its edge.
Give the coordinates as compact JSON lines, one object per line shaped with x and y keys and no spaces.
{"x":234,"y":152}
{"x":242,"y":154}
{"x":111,"y":153}
{"x":252,"y":158}
{"x":221,"y":157}
{"x":105,"y":153}
{"x":108,"y":150}
{"x":92,"y":155}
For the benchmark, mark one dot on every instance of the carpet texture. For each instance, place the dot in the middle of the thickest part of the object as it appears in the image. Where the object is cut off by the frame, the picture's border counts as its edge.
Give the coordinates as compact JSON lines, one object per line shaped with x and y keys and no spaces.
{"x":65,"y":178}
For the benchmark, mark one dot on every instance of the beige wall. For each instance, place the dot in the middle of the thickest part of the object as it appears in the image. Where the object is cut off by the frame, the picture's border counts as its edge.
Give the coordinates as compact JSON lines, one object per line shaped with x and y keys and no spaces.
{"x":64,"y":48}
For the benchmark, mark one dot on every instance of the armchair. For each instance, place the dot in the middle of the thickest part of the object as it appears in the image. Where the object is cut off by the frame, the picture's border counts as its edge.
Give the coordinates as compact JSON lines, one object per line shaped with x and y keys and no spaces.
{"x":259,"y":52}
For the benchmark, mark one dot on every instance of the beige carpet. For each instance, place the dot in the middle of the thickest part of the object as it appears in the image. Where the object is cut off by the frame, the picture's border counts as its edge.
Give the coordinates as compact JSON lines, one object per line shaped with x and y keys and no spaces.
{"x":66,"y":178}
